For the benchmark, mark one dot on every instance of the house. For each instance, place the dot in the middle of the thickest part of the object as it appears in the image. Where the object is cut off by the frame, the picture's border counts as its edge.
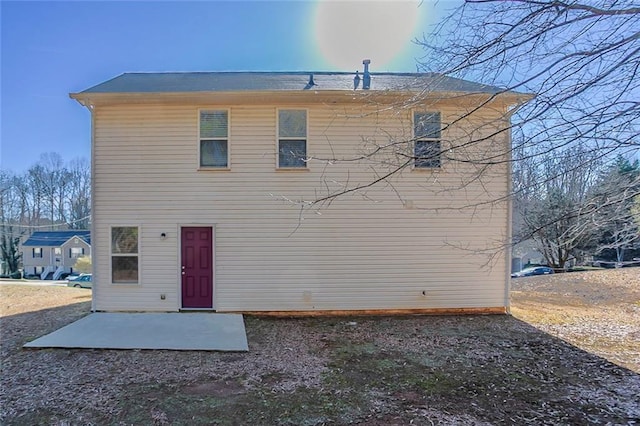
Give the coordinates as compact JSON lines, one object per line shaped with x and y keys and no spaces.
{"x":204,"y":187}
{"x":50,"y":254}
{"x":524,"y":254}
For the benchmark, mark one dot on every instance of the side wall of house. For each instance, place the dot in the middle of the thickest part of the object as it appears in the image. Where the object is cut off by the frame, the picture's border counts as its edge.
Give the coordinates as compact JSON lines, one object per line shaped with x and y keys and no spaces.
{"x":29,"y":262}
{"x":411,"y":242}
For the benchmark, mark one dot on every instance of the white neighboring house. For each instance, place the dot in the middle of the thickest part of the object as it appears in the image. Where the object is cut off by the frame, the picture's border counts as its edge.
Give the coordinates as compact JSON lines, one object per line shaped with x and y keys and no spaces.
{"x":49,"y":254}
{"x":196,"y":178}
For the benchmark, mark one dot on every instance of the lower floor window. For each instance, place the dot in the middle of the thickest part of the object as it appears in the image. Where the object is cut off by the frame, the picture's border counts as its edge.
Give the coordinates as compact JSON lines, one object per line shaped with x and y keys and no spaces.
{"x":124,"y":254}
{"x":214,"y":153}
{"x":292,"y":153}
{"x":427,"y":154}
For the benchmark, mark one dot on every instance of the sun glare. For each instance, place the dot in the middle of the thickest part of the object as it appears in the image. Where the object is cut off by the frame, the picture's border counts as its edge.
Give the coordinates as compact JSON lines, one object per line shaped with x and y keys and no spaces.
{"x":349,"y":31}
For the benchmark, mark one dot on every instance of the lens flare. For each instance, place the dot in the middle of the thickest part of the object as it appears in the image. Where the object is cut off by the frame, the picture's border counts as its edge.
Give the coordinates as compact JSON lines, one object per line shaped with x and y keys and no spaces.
{"x":348,"y":31}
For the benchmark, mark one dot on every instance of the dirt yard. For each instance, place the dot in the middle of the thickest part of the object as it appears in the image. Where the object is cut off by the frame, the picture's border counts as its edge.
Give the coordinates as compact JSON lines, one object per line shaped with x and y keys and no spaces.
{"x":570,"y":354}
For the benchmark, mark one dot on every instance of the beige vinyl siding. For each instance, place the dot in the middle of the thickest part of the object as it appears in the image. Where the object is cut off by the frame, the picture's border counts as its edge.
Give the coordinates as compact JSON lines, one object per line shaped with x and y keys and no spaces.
{"x":375,"y":249}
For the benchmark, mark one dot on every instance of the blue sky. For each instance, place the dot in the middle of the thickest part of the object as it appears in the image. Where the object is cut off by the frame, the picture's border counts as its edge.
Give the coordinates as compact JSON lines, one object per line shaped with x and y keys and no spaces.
{"x":50,"y":49}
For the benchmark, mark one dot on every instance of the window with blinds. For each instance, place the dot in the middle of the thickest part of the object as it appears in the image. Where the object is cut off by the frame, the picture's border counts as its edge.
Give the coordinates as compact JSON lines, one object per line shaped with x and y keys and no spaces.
{"x":214,"y":139}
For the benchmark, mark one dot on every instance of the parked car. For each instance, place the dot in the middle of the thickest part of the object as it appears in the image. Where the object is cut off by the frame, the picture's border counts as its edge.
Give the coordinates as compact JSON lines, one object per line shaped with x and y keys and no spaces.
{"x":74,"y":276}
{"x":83,"y":281}
{"x":535,"y":270}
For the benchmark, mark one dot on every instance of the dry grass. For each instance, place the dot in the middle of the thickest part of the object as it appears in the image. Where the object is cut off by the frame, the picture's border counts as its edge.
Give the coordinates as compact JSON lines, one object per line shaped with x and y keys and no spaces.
{"x":418,"y":370}
{"x":24,"y":298}
{"x":598,"y":311}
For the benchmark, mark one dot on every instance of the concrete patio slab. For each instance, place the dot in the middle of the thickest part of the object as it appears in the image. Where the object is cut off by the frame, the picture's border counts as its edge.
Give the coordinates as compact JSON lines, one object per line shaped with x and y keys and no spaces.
{"x":173,"y":331}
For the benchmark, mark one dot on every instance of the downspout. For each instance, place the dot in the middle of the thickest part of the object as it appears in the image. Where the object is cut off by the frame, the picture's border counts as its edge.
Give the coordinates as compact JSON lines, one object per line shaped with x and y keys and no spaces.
{"x":366,"y":77}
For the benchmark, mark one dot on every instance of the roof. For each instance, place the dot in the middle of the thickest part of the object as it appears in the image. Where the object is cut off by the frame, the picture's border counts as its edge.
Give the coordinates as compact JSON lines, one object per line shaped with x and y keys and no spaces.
{"x":245,"y":81}
{"x":56,"y":238}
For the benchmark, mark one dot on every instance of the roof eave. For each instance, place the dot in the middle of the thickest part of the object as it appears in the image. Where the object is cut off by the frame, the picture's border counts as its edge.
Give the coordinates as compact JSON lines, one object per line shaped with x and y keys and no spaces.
{"x":290,"y":96}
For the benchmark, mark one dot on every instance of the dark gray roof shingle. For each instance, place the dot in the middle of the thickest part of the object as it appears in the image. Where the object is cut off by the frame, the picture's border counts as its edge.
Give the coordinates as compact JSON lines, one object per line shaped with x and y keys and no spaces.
{"x":56,"y":238}
{"x":178,"y":82}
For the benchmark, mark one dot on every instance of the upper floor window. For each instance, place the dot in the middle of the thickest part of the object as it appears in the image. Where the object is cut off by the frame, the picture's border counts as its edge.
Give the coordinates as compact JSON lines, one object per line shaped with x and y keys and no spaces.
{"x":214,"y":139}
{"x":76,"y":252}
{"x":37,"y":252}
{"x":292,"y":138}
{"x":427,"y":145}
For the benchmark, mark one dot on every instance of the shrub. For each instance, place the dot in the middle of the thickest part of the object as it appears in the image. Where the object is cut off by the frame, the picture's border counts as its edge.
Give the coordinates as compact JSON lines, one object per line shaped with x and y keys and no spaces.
{"x":83,"y":265}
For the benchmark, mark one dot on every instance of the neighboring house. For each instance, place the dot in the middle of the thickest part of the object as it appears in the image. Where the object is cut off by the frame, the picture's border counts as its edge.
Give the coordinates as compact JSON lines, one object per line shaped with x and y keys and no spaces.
{"x":525,"y":254}
{"x":199,"y":179}
{"x":50,"y":254}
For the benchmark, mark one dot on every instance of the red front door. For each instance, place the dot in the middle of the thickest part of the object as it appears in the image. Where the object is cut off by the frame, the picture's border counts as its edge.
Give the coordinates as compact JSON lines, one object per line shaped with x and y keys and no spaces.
{"x":197,"y":267}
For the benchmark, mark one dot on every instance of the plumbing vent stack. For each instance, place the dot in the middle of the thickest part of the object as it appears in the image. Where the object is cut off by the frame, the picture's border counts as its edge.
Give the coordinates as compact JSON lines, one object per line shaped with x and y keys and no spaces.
{"x":366,"y":78}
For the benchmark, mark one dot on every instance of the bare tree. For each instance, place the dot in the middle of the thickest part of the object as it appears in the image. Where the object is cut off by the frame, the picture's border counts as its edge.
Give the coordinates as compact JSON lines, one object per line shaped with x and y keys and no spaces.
{"x":54,"y":179}
{"x":617,"y":221}
{"x":9,"y":216}
{"x":580,"y":59}
{"x":79,"y":194}
{"x":554,"y":207}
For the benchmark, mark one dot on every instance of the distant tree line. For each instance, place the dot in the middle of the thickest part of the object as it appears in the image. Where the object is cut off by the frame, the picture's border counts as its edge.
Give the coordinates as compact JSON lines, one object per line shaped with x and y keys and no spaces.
{"x":51,"y":195}
{"x":574,"y":204}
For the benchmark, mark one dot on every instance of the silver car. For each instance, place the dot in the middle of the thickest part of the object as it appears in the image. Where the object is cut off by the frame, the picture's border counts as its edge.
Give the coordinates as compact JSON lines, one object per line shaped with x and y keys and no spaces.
{"x":83,"y":281}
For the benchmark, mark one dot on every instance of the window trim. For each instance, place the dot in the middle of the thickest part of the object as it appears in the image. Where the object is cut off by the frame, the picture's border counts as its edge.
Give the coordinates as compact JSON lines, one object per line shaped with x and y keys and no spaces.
{"x":40,"y":252}
{"x":228,"y":140}
{"x":425,"y":139}
{"x":292,"y":138}
{"x":138,"y":254}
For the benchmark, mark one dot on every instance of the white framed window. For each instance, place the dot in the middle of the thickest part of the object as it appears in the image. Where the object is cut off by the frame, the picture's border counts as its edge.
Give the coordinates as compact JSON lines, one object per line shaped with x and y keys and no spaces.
{"x":214,"y":139}
{"x":125,"y":255}
{"x":57,"y":251}
{"x":76,"y":252}
{"x":37,"y":252}
{"x":292,"y":138}
{"x":427,"y":146}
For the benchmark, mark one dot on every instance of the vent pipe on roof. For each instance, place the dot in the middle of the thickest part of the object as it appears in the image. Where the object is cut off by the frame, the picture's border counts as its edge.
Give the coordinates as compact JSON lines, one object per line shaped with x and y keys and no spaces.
{"x":311,"y":83}
{"x":366,"y":78}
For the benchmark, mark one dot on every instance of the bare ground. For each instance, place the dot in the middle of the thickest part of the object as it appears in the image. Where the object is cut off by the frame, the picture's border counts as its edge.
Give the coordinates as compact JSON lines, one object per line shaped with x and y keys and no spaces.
{"x":568,"y":355}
